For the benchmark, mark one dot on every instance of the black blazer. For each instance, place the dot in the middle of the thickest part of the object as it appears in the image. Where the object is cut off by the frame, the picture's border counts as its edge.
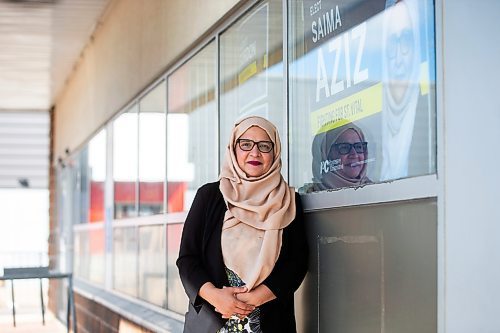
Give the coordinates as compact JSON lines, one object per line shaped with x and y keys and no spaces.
{"x":200,"y":261}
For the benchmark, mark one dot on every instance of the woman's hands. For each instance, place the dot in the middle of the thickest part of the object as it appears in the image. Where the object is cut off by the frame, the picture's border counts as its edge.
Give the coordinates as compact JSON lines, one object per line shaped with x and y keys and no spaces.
{"x":258,"y":296}
{"x":225,"y":300}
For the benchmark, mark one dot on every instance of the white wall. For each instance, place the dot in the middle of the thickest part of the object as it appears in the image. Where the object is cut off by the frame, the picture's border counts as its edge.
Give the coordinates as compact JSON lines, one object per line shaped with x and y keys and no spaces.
{"x":471,"y":186}
{"x":24,"y":222}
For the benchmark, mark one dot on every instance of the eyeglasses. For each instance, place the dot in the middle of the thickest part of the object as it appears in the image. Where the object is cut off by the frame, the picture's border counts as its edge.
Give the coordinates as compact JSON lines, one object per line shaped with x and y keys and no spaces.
{"x":344,"y":148}
{"x":263,"y":146}
{"x":404,"y":40}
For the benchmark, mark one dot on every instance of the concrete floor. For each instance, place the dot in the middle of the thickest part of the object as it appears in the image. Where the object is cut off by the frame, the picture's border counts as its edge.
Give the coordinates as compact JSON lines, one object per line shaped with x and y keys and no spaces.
{"x":30,"y":323}
{"x":28,"y":311}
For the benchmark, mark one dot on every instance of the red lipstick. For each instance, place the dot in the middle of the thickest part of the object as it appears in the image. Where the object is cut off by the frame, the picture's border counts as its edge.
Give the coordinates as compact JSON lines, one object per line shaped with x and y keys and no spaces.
{"x":254,"y":163}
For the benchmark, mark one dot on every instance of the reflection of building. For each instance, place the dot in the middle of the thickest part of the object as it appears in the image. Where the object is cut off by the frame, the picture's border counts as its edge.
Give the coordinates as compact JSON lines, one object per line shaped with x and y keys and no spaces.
{"x":143,"y":119}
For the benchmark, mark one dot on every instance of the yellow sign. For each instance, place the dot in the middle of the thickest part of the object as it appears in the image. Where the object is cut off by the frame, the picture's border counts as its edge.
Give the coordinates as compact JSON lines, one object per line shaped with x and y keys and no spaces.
{"x":247,"y":72}
{"x":357,"y":106}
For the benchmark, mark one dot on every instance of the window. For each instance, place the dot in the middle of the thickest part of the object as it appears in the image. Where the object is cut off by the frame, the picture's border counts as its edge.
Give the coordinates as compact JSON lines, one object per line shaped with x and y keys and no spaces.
{"x":251,"y":71}
{"x":152,"y":151}
{"x":97,"y":176}
{"x":125,"y":150}
{"x":362,"y":92}
{"x":192,"y":129}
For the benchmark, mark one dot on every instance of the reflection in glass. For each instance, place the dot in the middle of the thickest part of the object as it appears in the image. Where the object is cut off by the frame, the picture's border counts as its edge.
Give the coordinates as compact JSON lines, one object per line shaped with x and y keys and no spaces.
{"x":371,"y":63}
{"x":89,"y":253}
{"x":152,"y":151}
{"x":152,"y":270}
{"x":125,"y":141}
{"x":96,"y":253}
{"x":97,"y":175}
{"x":177,"y":299}
{"x":125,"y":260}
{"x":81,"y":258}
{"x":340,"y":159}
{"x":192,"y":129}
{"x":251,"y":70}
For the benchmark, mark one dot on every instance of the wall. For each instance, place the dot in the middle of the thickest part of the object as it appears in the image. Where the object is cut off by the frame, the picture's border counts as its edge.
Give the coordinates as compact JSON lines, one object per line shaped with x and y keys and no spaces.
{"x":471,"y":107}
{"x":135,"y":43}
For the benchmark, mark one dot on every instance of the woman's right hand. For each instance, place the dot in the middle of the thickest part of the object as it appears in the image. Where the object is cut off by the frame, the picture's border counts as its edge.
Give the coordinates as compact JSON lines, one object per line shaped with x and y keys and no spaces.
{"x":224,"y":300}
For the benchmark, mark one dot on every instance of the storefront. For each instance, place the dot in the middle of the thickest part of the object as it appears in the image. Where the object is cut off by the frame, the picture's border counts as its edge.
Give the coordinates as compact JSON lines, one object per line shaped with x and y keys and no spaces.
{"x":356,"y":89}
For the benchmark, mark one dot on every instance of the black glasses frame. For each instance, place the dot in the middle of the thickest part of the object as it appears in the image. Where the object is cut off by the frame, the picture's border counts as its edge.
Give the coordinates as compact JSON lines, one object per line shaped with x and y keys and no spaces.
{"x":359,"y":147}
{"x":258,"y":143}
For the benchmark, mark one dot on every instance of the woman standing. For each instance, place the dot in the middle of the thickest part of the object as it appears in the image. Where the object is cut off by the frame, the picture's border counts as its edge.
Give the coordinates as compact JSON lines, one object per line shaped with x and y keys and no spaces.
{"x":243,"y":251}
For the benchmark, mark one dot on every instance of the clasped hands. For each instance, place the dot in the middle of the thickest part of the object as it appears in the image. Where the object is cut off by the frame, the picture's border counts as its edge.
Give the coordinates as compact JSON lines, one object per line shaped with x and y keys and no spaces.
{"x":237,"y":301}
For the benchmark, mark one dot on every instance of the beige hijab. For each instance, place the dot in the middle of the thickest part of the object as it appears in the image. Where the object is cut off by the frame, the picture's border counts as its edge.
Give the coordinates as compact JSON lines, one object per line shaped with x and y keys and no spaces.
{"x":258,"y":210}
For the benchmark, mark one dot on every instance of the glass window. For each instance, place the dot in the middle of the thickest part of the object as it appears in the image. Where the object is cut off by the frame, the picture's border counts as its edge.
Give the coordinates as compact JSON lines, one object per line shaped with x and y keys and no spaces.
{"x":152,"y":151}
{"x":125,"y":150}
{"x":125,"y":260}
{"x":177,"y":299}
{"x":97,"y":175}
{"x":152,"y":269}
{"x":251,"y":70}
{"x":192,"y":129}
{"x":362,"y":92}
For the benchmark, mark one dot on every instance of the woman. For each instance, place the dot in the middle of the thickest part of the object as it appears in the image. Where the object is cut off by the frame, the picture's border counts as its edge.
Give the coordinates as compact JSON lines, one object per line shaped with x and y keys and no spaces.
{"x":340,"y":158}
{"x":401,"y":77}
{"x":243,"y":251}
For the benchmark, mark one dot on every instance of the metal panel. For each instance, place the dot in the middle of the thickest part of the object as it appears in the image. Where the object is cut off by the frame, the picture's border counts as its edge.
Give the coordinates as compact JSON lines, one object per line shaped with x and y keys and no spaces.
{"x":372,"y":269}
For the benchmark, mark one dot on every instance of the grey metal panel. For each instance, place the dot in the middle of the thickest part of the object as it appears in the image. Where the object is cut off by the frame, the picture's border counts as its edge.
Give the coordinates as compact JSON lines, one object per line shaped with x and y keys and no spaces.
{"x":372,"y":269}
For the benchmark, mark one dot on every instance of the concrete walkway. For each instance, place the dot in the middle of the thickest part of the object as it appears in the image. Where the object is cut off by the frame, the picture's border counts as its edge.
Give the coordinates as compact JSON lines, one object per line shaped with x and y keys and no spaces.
{"x":30,"y":323}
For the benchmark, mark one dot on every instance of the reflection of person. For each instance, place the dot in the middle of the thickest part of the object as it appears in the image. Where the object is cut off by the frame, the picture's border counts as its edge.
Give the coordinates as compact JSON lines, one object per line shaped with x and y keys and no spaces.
{"x":401,"y":70}
{"x":243,"y":251}
{"x":340,"y":158}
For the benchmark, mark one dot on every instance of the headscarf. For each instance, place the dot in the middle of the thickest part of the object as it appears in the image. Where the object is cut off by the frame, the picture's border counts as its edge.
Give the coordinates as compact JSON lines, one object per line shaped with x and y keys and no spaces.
{"x":258,"y":210}
{"x":325,"y":172}
{"x":399,"y":118}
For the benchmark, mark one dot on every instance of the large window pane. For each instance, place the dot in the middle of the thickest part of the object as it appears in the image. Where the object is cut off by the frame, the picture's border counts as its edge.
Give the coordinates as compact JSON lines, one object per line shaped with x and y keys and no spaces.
{"x":125,"y":141}
{"x":177,"y":299}
{"x":192,"y":129}
{"x":251,"y":70}
{"x":97,"y":176}
{"x":125,"y":260}
{"x":362,"y":92}
{"x":152,"y":269}
{"x":152,"y":151}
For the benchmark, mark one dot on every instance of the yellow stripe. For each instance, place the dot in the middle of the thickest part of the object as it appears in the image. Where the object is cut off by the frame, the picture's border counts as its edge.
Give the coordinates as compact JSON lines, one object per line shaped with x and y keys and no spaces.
{"x":357,"y":106}
{"x":247,"y":72}
{"x":424,"y":78}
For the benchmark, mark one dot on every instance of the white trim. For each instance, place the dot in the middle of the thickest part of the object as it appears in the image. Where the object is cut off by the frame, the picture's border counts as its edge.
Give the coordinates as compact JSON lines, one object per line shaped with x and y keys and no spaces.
{"x":88,"y":226}
{"x":398,"y":190}
{"x":169,"y":218}
{"x":440,"y":166}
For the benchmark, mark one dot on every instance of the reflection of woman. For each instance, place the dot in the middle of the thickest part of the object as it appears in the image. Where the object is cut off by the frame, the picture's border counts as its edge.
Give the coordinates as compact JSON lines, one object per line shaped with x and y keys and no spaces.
{"x":243,"y":251}
{"x":339,"y":158}
{"x":401,"y":70}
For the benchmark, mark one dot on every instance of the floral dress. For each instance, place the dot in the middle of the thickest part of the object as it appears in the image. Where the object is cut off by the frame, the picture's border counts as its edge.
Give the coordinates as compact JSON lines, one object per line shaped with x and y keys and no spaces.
{"x":249,"y":324}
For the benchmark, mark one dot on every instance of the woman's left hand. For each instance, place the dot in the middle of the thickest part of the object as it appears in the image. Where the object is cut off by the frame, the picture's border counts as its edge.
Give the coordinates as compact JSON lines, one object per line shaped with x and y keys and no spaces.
{"x":258,"y":296}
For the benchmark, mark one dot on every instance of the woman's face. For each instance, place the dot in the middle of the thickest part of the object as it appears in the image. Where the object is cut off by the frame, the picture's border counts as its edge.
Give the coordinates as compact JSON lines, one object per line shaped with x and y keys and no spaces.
{"x":254,"y":162}
{"x":352,"y":162}
{"x":399,"y":50}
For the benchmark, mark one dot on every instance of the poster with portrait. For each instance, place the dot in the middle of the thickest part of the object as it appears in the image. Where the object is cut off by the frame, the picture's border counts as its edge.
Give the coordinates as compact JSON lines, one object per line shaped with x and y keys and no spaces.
{"x":367,"y":71}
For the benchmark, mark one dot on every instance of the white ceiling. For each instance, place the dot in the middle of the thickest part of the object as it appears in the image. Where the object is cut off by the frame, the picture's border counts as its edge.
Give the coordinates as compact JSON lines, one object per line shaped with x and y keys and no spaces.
{"x":40,"y":43}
